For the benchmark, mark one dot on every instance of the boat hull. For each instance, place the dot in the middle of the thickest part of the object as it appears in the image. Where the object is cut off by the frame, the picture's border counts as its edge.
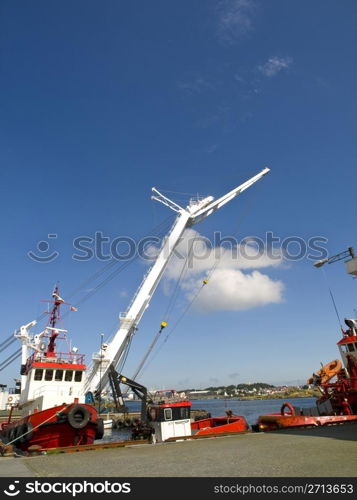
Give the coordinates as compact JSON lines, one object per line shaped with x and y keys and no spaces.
{"x":59,"y":426}
{"x":277,"y":422}
{"x":108,"y":424}
{"x":219,"y":425}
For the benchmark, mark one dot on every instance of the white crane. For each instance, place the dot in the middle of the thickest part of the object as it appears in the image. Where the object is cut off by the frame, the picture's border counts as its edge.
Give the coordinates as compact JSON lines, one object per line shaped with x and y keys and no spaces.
{"x":196,"y":211}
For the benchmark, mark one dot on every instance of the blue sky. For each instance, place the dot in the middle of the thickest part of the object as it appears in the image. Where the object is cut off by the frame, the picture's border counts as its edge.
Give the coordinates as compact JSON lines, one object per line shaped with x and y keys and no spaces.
{"x":102,"y":101}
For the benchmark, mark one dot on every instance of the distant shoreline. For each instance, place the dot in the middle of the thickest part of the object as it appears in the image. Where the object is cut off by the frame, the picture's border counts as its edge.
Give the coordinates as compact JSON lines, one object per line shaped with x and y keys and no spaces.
{"x":253,"y":398}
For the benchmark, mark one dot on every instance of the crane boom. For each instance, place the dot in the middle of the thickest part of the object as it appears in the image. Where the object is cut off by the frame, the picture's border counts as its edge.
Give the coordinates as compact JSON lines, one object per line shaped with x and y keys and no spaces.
{"x":342,"y":255}
{"x":111,"y":354}
{"x":216,"y":204}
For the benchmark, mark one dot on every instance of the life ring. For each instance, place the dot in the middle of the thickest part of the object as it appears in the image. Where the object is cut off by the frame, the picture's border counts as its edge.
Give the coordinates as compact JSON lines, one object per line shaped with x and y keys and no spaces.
{"x":100,"y":429}
{"x":326,"y":372}
{"x":9,"y":399}
{"x":290,"y":407}
{"x":78,"y":417}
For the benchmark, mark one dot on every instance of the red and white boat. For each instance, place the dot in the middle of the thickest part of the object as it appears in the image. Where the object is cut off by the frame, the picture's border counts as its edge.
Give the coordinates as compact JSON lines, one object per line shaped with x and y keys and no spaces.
{"x":170,"y":418}
{"x":52,"y":400}
{"x":169,"y":415}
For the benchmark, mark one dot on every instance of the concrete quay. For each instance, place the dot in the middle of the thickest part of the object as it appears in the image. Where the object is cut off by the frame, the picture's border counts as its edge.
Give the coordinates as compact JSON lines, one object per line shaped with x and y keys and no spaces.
{"x":322,"y":452}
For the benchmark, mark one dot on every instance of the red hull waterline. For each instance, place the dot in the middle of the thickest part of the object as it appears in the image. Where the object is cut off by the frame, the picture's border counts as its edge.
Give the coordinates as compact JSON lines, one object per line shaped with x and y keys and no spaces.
{"x":64,"y":425}
{"x":276,"y":422}
{"x":219,"y":425}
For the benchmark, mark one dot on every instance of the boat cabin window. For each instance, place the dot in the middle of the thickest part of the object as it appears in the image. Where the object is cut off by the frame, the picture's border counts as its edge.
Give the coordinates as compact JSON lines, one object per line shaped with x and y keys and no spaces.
{"x":38,"y":374}
{"x":184,"y":413}
{"x":68,"y":376}
{"x":59,"y":375}
{"x":48,"y":375}
{"x":350,"y":347}
{"x":78,"y":376}
{"x":167,"y":414}
{"x":154,"y":414}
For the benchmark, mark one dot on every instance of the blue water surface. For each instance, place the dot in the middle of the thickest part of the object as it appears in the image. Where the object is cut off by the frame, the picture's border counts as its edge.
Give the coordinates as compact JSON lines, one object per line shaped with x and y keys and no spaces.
{"x":251,"y":410}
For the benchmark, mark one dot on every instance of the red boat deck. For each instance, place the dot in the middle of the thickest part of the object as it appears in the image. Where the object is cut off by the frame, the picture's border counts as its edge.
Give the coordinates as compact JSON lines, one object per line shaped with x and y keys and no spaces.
{"x":217,"y":425}
{"x":278,"y":421}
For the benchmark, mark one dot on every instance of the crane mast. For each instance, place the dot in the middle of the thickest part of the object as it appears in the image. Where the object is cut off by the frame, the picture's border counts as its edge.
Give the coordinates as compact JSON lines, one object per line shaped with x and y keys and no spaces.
{"x":112,"y":353}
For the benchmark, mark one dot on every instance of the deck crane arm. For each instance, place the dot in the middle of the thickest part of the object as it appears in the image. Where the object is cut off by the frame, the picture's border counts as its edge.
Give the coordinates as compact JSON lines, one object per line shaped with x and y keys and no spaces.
{"x":340,"y":256}
{"x":112,"y":353}
{"x":139,"y":390}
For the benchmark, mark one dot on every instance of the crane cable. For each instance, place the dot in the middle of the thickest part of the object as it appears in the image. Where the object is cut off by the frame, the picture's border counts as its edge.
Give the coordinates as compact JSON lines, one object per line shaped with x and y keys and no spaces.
{"x":6,"y":340}
{"x":159,"y":229}
{"x":7,"y":344}
{"x":10,"y":359}
{"x":332,"y":299}
{"x":109,"y":278}
{"x":189,"y":305}
{"x":106,"y":280}
{"x":178,"y":321}
{"x":168,"y":311}
{"x":181,"y":277}
{"x":166,"y":316}
{"x":185,"y":311}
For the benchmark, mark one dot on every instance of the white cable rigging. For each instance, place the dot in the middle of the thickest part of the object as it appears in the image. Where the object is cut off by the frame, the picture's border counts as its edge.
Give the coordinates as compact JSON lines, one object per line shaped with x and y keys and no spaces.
{"x":186,"y":217}
{"x":157,"y":337}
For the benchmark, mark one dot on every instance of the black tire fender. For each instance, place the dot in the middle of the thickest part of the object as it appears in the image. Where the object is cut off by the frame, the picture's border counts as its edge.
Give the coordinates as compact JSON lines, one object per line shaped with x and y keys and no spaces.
{"x":25,"y":432}
{"x":11,"y":434}
{"x":17,"y":433}
{"x":100,"y":429}
{"x":78,"y":416}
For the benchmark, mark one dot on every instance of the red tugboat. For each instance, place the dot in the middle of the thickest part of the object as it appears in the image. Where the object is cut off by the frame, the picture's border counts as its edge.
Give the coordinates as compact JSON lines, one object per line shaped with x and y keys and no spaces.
{"x":336,"y":381}
{"x":52,"y":401}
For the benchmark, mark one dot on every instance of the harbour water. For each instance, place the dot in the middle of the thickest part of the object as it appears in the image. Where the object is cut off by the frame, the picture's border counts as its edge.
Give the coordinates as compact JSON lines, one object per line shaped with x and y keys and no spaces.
{"x":251,"y":410}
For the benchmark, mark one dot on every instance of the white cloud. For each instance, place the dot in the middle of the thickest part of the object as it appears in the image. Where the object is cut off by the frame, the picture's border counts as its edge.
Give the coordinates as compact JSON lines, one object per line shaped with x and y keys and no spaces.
{"x":230,"y":286}
{"x":233,"y":290}
{"x":274,"y":65}
{"x":235,"y":19}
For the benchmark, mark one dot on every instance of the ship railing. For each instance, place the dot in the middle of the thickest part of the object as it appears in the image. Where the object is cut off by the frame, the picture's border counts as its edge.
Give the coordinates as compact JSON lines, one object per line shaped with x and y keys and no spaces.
{"x":59,"y":357}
